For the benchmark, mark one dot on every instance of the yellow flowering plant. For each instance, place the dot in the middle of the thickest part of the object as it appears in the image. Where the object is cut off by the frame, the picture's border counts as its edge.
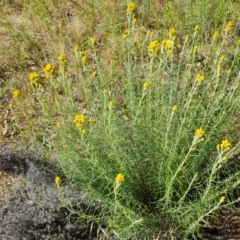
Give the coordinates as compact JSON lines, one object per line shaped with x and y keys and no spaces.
{"x":138,"y":125}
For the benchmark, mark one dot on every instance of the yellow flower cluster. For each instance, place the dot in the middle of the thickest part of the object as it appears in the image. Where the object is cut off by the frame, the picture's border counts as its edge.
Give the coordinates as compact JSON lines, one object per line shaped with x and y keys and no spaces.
{"x":219,"y":68}
{"x":79,"y":119}
{"x":153,"y":47}
{"x":93,"y":41}
{"x":59,"y":124}
{"x":33,"y":78}
{"x":168,"y":45}
{"x":222,"y":199}
{"x":131,"y":7}
{"x":200,"y":78}
{"x":62,"y":58}
{"x":91,"y":120}
{"x":125,"y":34}
{"x":174,"y":108}
{"x":77,"y":48}
{"x":84,"y":59}
{"x":199,"y":132}
{"x":58,"y":180}
{"x":229,"y":26}
{"x":145,"y":85}
{"x":119,"y":178}
{"x":16,"y":93}
{"x":48,"y":70}
{"x":195,"y":48}
{"x":222,"y":58}
{"x":172,"y":32}
{"x":215,"y":35}
{"x":94,"y":73}
{"x":150,"y":33}
{"x":111,"y":104}
{"x":225,"y":145}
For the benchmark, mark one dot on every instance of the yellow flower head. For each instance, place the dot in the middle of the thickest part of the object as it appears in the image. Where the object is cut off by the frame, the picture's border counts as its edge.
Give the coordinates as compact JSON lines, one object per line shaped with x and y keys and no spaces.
{"x":48,"y":70}
{"x":149,"y":32}
{"x":79,"y":118}
{"x":16,"y":93}
{"x":119,"y":179}
{"x":91,"y":120}
{"x":215,"y":35}
{"x":83,"y":131}
{"x":134,"y":21}
{"x":153,"y":46}
{"x":168,"y":44}
{"x":10,"y":105}
{"x":229,"y":26}
{"x":81,"y":53}
{"x":111,"y":104}
{"x":199,"y":132}
{"x":93,"y":41}
{"x":145,"y":85}
{"x":125,"y":34}
{"x":222,"y":199}
{"x":172,"y":32}
{"x":174,"y":108}
{"x":58,"y":180}
{"x":221,"y":59}
{"x":94,"y":73}
{"x":200,"y":78}
{"x":196,"y":28}
{"x":33,"y":77}
{"x":219,"y":68}
{"x":131,"y":7}
{"x":84,"y":59}
{"x":195,"y":48}
{"x":77,"y":48}
{"x":59,"y":124}
{"x":225,"y":145}
{"x":62,"y":58}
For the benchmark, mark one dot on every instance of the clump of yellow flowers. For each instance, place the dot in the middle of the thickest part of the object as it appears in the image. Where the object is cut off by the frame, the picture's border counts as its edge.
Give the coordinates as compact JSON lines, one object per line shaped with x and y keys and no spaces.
{"x":145,"y":85}
{"x":48,"y":70}
{"x":199,"y":132}
{"x":79,"y":119}
{"x":200,"y":78}
{"x":153,"y":47}
{"x":125,"y":34}
{"x":172,"y":33}
{"x":119,"y":179}
{"x":174,"y":108}
{"x":58,"y":180}
{"x":111,"y":104}
{"x":224,"y":145}
{"x":62,"y":58}
{"x":16,"y":93}
{"x":93,"y":41}
{"x":131,"y":7}
{"x":229,"y":26}
{"x":222,"y":199}
{"x":33,"y":78}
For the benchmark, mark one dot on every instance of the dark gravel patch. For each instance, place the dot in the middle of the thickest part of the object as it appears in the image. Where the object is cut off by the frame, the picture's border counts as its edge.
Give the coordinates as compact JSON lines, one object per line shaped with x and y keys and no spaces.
{"x":33,"y":210}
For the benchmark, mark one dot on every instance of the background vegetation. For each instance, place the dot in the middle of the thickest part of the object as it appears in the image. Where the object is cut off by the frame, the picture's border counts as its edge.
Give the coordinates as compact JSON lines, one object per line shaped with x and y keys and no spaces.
{"x":138,"y":102}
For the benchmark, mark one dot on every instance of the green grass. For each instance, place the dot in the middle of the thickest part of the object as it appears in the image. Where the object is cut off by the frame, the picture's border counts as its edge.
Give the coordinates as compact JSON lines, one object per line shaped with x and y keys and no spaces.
{"x":141,"y":120}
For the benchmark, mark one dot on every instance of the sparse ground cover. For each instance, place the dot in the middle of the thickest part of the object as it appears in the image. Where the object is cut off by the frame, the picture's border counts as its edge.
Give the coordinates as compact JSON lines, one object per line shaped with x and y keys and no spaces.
{"x":137,"y":101}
